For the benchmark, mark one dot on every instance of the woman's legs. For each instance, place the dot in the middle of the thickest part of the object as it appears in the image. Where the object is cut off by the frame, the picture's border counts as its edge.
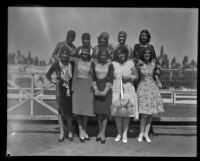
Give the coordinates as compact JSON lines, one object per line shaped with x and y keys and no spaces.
{"x":85,"y":120}
{"x":148,"y":124}
{"x":142,"y":126}
{"x":125,"y":121}
{"x":69,"y":124}
{"x":61,"y":126}
{"x":118,"y":121}
{"x":99,"y":119}
{"x":104,"y":125}
{"x":80,"y":126}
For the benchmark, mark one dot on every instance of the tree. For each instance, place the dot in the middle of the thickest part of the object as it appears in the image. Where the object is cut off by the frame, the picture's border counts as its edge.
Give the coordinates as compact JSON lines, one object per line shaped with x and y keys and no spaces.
{"x":30,"y":59}
{"x":18,"y":57}
{"x":185,"y":62}
{"x":192,"y":64}
{"x":162,"y":50}
{"x":173,"y":63}
{"x":36,"y":62}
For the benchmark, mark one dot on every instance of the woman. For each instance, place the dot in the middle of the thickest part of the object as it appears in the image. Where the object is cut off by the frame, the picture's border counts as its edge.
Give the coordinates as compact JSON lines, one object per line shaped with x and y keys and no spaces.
{"x":103,"y":43}
{"x":102,"y":82}
{"x":82,"y":98}
{"x":122,"y":36}
{"x":144,"y":41}
{"x":63,"y":70}
{"x":149,"y":97}
{"x":139,"y":48}
{"x":124,"y":69}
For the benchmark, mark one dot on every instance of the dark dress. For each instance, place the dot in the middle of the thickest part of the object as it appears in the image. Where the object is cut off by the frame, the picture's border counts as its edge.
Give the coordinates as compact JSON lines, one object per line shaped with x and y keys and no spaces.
{"x":102,"y":103}
{"x":64,"y":101}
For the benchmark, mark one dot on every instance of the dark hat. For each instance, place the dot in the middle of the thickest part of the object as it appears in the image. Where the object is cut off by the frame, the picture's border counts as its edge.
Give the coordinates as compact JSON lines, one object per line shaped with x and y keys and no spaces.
{"x":71,"y":33}
{"x":85,"y":36}
{"x":122,"y":32}
{"x":104,"y":34}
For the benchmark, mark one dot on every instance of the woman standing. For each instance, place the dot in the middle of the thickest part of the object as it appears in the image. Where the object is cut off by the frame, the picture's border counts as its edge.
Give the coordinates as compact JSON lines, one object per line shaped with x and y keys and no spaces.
{"x":63,"y":70}
{"x":124,"y":69}
{"x":149,"y":97}
{"x":82,"y":98}
{"x":102,"y":82}
{"x":139,"y":49}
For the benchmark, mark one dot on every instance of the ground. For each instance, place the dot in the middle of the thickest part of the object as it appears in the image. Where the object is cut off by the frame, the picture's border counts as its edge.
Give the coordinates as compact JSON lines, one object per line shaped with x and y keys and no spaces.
{"x":33,"y":138}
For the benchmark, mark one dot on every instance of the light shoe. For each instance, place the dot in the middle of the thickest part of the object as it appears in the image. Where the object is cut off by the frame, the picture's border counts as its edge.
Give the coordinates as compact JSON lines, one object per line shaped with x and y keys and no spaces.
{"x":147,"y":139}
{"x":118,"y":138}
{"x":140,"y":138}
{"x":124,"y":140}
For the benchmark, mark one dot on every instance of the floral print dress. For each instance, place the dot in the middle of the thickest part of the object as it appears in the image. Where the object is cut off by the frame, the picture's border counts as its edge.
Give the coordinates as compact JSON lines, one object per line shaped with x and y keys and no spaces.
{"x":149,"y":97}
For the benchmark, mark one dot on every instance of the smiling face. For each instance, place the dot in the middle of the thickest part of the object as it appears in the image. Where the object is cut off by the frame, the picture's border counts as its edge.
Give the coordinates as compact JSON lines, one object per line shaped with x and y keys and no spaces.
{"x":64,"y":56}
{"x":103,"y":41}
{"x":86,"y":42}
{"x":147,"y":55}
{"x":85,"y":54}
{"x":102,"y":57}
{"x":144,"y":37}
{"x":121,"y":56}
{"x":122,"y":38}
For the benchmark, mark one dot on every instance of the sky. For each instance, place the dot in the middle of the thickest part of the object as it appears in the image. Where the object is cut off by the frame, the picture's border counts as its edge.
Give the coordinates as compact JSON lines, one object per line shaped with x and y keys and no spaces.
{"x":39,"y":29}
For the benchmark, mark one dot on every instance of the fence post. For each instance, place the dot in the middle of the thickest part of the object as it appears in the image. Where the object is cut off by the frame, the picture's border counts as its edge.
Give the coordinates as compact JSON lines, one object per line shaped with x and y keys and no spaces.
{"x":32,"y":91}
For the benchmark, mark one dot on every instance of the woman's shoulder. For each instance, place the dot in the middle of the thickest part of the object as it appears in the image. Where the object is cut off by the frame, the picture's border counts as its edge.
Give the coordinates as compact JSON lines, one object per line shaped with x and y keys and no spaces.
{"x":130,"y":62}
{"x":137,"y":45}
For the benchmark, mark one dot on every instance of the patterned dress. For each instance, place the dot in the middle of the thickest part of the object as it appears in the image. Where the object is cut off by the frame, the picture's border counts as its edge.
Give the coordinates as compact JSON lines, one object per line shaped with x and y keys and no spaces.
{"x":149,"y":97}
{"x":126,"y":69}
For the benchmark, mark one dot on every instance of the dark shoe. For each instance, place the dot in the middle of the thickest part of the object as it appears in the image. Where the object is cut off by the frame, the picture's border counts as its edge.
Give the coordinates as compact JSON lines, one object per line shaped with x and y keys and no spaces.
{"x":103,"y":141}
{"x":82,"y":140}
{"x":98,"y":139}
{"x":61,"y":139}
{"x":71,"y":138}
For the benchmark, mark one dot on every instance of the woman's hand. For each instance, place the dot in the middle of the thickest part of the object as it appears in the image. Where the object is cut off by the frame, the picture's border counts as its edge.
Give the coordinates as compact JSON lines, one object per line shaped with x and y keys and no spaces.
{"x":54,"y":80}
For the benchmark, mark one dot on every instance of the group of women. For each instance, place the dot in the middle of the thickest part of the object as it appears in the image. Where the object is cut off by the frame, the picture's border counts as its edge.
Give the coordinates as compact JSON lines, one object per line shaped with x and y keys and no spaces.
{"x":89,"y":80}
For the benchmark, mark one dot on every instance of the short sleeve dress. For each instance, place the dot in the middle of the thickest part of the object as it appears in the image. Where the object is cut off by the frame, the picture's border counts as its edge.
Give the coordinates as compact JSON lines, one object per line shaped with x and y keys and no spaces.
{"x":149,"y":97}
{"x":129,"y":89}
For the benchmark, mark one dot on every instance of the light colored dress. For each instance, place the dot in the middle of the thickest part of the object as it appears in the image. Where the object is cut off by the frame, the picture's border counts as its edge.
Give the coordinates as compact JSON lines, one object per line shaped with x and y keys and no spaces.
{"x":82,"y":98}
{"x":149,"y":97}
{"x":126,"y":69}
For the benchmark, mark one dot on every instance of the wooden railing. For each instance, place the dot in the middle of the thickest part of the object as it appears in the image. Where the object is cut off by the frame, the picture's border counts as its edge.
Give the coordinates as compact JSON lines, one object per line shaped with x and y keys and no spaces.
{"x":40,"y":96}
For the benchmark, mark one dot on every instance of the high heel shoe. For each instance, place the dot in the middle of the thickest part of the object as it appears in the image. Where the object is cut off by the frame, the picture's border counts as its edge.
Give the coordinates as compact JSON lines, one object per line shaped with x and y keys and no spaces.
{"x":148,"y":140}
{"x":87,"y":138}
{"x":118,"y":138}
{"x":61,"y":139}
{"x":98,"y":139}
{"x":71,"y":138}
{"x":82,"y":139}
{"x":140,"y":138}
{"x":124,"y":140}
{"x":103,"y":141}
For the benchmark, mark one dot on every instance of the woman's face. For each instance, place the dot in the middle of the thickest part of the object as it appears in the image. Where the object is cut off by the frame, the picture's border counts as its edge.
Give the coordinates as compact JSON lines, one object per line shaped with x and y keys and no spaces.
{"x":85,"y":54}
{"x":121,"y":56}
{"x":102,"y":57}
{"x":144,"y":37}
{"x":147,"y":55}
{"x":103,"y":41}
{"x":122,"y":38}
{"x":64,"y":56}
{"x":86,"y":42}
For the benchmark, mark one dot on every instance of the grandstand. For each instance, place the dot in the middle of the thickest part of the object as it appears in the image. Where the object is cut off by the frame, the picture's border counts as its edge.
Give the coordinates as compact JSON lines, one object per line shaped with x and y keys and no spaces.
{"x":30,"y":96}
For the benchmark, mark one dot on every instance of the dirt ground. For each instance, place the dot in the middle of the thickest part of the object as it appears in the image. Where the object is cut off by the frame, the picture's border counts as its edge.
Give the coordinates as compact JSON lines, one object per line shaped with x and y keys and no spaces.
{"x":30,"y":138}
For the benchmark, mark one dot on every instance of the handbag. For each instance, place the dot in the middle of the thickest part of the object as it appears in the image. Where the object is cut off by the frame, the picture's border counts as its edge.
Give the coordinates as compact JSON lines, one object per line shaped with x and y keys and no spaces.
{"x":122,"y":107}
